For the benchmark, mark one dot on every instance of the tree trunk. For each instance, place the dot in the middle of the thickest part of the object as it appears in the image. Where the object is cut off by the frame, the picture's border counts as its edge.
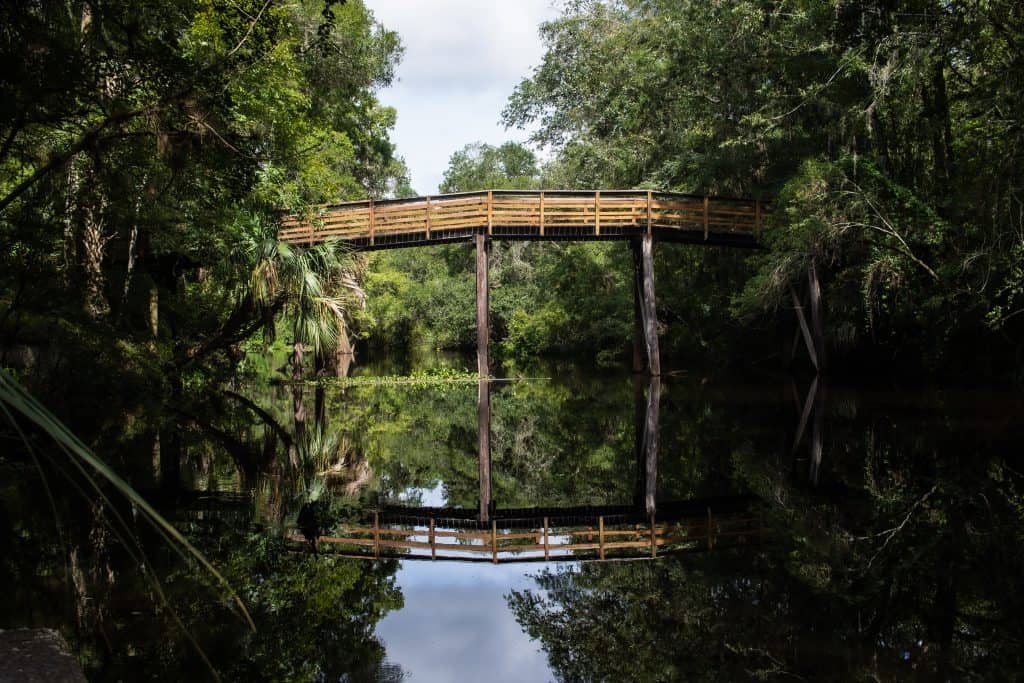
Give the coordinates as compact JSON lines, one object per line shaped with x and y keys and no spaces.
{"x":94,"y":244}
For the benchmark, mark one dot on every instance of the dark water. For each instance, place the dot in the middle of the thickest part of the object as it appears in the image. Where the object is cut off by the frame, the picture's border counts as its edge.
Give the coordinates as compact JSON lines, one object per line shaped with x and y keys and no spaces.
{"x":888,"y":545}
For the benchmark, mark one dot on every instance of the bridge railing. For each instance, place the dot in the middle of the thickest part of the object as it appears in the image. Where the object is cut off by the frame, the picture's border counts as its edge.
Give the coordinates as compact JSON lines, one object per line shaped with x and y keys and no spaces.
{"x":544,"y":542}
{"x":512,"y":213}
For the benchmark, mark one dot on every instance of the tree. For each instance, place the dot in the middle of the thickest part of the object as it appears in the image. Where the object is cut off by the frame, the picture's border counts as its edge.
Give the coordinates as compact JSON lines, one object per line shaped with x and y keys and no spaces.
{"x":873,"y":127}
{"x":177,"y":133}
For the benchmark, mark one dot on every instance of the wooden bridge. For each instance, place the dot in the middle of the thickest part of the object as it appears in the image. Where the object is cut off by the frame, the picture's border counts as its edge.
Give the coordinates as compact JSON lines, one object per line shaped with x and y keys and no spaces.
{"x":543,"y":535}
{"x":514,"y":214}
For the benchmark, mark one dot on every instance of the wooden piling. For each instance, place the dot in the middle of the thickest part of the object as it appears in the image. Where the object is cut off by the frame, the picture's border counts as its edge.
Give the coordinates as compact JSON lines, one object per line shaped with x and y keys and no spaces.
{"x":651,"y":445}
{"x":483,"y":337}
{"x":639,"y":344}
{"x":650,"y":315}
{"x":600,"y":537}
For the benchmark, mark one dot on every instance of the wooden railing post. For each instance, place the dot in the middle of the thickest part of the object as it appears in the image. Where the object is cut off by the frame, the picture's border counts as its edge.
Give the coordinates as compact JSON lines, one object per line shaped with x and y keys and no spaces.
{"x":494,"y":540}
{"x":546,"y":556}
{"x":600,"y":537}
{"x":542,"y":213}
{"x":376,"y":534}
{"x":648,"y":212}
{"x":597,"y":213}
{"x":433,"y":541}
{"x":428,"y":218}
{"x":654,"y":540}
{"x":490,"y":212}
{"x":705,"y":218}
{"x":372,"y":223}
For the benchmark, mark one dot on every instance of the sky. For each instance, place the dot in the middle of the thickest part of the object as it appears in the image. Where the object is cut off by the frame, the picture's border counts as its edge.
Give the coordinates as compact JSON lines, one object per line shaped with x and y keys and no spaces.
{"x":456,"y":625}
{"x":463,"y":58}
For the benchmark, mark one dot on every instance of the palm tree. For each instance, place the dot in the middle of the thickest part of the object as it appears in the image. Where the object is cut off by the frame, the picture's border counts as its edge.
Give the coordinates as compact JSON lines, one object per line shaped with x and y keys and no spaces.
{"x":311,"y":288}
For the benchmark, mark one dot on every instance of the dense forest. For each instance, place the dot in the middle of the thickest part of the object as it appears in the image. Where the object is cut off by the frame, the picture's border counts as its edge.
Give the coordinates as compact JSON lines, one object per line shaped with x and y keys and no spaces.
{"x":148,"y":149}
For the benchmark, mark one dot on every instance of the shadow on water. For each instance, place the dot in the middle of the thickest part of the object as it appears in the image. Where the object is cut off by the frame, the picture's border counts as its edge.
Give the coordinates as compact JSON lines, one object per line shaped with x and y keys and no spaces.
{"x":799,"y":530}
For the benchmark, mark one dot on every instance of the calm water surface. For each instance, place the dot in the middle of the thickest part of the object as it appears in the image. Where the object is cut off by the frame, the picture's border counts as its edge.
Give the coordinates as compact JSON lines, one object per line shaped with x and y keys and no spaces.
{"x":888,"y":546}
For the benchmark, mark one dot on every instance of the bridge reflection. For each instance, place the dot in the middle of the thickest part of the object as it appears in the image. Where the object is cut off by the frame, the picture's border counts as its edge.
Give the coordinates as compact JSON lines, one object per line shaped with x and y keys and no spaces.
{"x":646,"y":528}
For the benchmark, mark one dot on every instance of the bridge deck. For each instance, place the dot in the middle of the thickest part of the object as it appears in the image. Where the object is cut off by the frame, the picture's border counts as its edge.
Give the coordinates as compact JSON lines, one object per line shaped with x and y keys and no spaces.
{"x":513,"y":214}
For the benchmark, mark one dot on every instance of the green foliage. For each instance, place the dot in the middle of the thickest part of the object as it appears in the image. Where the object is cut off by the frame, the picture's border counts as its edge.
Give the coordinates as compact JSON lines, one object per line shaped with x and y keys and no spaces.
{"x":888,"y":136}
{"x":129,"y":196}
{"x":485,"y":167}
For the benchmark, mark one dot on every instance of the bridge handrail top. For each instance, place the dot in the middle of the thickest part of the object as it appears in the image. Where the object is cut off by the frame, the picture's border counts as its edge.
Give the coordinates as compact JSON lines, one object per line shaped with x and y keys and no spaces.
{"x":658,"y":194}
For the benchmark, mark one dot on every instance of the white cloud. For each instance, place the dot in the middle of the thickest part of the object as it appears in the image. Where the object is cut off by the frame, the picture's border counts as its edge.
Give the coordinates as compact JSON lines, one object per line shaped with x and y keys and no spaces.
{"x":456,"y":624}
{"x":463,"y":58}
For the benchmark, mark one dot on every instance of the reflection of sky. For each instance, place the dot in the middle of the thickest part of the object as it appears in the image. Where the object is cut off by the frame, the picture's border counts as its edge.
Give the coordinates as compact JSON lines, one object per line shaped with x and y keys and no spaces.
{"x":432,"y":497}
{"x":456,"y":626}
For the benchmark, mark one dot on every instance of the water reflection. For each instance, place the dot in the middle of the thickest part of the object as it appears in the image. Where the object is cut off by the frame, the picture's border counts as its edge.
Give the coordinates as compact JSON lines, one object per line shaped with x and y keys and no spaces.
{"x":895,"y":518}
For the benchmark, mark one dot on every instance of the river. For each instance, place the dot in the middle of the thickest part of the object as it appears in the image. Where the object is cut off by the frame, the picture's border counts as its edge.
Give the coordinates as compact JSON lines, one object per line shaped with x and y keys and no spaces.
{"x":782,"y":527}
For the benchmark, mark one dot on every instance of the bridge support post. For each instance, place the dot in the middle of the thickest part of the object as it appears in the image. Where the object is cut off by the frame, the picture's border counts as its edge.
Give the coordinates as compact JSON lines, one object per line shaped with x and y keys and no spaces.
{"x":651,"y":446}
{"x":483,"y":364}
{"x":646,"y":422}
{"x":645,"y":315}
{"x":639,"y":345}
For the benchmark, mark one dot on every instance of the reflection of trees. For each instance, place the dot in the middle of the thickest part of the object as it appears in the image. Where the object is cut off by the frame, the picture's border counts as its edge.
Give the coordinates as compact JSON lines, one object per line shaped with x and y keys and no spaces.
{"x":315,"y":617}
{"x":903,"y":562}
